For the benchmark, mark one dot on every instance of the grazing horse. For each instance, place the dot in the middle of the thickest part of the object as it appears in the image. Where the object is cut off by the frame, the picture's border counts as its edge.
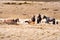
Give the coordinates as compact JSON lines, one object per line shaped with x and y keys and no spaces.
{"x":11,"y":21}
{"x":48,"y":19}
{"x":39,"y":18}
{"x":28,"y":22}
{"x":32,"y":21}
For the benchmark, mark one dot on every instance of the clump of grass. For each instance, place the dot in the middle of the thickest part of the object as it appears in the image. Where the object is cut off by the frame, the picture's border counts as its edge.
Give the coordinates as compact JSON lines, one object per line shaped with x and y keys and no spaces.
{"x":20,"y":3}
{"x":42,"y":33}
{"x":8,"y":36}
{"x":24,"y":14}
{"x":48,"y":32}
{"x":55,"y":10}
{"x":45,"y":8}
{"x":53,"y":34}
{"x":26,"y":3}
{"x":1,"y":12}
{"x":41,"y":28}
{"x":7,"y":3}
{"x":13,"y":3}
{"x":2,"y":37}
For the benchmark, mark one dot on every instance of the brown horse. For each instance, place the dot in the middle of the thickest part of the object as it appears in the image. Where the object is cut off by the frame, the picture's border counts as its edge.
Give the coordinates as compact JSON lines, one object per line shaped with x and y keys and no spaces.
{"x":11,"y":21}
{"x":30,"y":22}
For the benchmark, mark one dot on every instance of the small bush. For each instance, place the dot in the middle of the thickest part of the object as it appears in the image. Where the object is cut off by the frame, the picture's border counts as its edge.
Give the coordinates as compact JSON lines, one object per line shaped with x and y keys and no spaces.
{"x":20,"y":3}
{"x":1,"y":12}
{"x":6,"y":3}
{"x":55,"y":10}
{"x":45,"y":8}
{"x":13,"y":3}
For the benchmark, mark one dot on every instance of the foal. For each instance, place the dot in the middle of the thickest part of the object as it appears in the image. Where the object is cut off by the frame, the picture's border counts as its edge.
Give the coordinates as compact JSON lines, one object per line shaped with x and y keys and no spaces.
{"x":48,"y":19}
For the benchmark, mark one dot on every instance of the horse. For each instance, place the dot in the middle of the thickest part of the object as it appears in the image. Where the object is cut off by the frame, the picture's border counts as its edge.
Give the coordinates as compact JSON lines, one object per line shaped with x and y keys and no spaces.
{"x":11,"y":21}
{"x":30,"y":22}
{"x":39,"y":19}
{"x":49,"y":19}
{"x":33,"y":19}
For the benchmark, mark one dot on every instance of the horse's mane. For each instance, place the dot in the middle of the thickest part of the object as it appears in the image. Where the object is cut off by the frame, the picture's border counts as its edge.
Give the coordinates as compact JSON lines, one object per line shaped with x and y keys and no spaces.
{"x":15,"y":20}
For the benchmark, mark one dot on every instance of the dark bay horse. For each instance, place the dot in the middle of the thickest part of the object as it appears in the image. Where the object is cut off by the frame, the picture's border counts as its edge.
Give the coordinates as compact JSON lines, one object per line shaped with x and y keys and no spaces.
{"x":39,"y":19}
{"x":49,"y":19}
{"x":33,"y":19}
{"x":11,"y":21}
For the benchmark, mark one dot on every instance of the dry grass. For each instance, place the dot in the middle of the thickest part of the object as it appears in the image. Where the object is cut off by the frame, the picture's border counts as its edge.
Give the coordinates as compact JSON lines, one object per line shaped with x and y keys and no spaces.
{"x":51,"y":9}
{"x":30,"y":32}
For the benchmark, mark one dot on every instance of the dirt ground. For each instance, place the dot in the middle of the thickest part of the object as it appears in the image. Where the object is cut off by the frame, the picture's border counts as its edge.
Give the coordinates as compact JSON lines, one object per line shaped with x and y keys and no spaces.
{"x":26,"y":31}
{"x":51,"y":9}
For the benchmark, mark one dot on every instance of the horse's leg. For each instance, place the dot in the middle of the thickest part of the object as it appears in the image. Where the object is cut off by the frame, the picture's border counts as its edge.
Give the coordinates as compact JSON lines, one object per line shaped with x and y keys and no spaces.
{"x":47,"y":21}
{"x":37,"y":21}
{"x":57,"y":22}
{"x":53,"y":21}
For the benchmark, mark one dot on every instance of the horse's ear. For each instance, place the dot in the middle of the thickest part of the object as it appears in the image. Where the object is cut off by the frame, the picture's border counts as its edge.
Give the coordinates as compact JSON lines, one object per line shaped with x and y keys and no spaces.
{"x":44,"y":16}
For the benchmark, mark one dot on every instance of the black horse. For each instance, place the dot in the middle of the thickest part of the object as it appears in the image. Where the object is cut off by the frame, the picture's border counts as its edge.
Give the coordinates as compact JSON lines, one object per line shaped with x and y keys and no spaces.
{"x":39,"y":19}
{"x":48,"y":19}
{"x":33,"y":19}
{"x":16,"y":20}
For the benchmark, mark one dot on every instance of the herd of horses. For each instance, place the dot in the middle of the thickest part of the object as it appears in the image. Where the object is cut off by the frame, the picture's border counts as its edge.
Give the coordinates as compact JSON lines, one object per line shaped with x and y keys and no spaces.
{"x":47,"y":19}
{"x":33,"y":20}
{"x":40,"y":18}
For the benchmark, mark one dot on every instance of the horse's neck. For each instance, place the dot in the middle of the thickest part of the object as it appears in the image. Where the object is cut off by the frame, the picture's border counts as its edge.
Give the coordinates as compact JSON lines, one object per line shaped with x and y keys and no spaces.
{"x":15,"y":20}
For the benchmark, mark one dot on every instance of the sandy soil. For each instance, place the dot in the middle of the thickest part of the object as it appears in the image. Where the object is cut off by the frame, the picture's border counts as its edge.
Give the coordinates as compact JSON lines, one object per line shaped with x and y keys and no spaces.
{"x":51,"y":9}
{"x":26,"y":31}
{"x":30,"y":32}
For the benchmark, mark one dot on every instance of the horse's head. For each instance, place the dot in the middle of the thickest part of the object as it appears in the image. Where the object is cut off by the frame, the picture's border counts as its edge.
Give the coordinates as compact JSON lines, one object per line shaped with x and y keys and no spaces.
{"x":17,"y":20}
{"x":44,"y":17}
